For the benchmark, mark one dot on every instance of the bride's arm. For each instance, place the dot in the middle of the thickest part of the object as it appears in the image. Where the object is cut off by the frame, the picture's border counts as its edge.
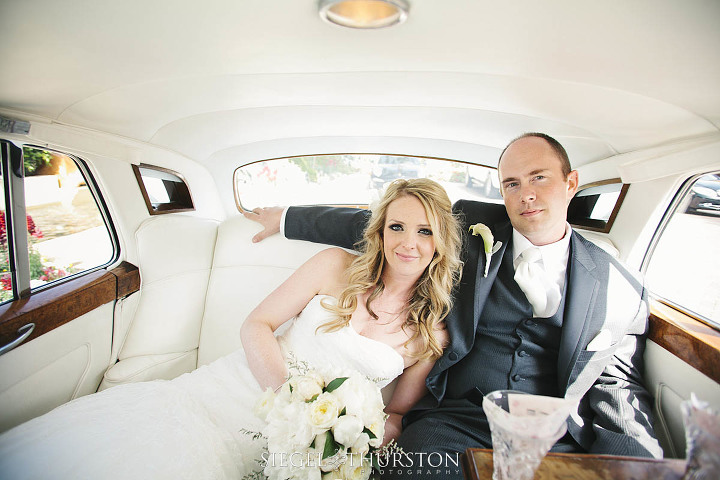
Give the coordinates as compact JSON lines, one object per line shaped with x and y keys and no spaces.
{"x":319,"y":275}
{"x":408,"y":391}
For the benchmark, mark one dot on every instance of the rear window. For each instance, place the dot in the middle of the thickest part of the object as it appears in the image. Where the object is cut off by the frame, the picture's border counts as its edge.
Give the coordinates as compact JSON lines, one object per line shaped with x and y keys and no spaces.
{"x":354,"y":179}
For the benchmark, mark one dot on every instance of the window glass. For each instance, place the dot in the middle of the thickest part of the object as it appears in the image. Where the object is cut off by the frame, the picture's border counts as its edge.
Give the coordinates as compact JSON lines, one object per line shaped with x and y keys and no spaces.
{"x":685,"y":266}
{"x":164,"y":191}
{"x":354,"y":179}
{"x":6,"y":291}
{"x":65,"y":228}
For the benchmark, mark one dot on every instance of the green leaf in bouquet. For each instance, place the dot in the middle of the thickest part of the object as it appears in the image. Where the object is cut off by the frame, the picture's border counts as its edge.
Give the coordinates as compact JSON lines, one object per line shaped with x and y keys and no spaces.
{"x":332,"y":386}
{"x":369,"y":432}
{"x":312,"y":399}
{"x":343,"y":412}
{"x":331,"y":446}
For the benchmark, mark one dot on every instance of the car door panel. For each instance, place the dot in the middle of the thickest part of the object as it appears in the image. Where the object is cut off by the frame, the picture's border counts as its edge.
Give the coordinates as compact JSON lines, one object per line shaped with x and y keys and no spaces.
{"x":56,"y":367}
{"x":71,"y":345}
{"x":681,"y":357}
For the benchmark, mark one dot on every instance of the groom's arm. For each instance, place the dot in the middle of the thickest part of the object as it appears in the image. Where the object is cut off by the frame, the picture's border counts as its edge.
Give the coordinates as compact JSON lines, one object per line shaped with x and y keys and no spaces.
{"x":623,"y":407}
{"x":339,"y":226}
{"x":342,"y":227}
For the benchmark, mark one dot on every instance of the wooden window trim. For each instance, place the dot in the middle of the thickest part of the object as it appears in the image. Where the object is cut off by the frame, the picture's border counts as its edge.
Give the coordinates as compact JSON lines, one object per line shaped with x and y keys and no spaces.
{"x":146,"y":197}
{"x":599,"y":225}
{"x":686,"y":337}
{"x":66,"y":301}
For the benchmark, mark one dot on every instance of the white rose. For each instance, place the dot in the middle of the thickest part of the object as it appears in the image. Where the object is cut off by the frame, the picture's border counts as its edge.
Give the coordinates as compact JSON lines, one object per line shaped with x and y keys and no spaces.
{"x":305,"y":387}
{"x":264,"y":404}
{"x":347,"y":429}
{"x":323,"y":412}
{"x":352,"y":394}
{"x":376,"y":424}
{"x":361,"y":445}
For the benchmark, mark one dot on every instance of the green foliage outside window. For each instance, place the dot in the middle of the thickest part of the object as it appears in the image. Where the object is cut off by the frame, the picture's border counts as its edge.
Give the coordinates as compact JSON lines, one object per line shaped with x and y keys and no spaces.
{"x":33,"y":159}
{"x":325,"y":164}
{"x":38,"y":272}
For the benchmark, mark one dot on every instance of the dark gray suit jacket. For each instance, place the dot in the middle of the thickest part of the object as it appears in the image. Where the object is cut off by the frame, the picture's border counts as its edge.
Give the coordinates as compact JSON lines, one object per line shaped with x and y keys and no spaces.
{"x":614,"y":415}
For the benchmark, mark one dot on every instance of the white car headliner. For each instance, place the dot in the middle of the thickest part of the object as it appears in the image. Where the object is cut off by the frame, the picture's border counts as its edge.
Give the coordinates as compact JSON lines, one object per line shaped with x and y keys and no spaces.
{"x":209,"y":79}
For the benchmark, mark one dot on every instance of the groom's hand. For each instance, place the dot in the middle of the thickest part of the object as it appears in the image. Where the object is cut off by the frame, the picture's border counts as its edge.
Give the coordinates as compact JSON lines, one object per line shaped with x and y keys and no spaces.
{"x":268,"y":217}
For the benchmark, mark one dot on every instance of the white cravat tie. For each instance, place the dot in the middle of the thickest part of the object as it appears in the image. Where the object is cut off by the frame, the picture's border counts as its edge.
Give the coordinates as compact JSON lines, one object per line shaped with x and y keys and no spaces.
{"x":542,"y":293}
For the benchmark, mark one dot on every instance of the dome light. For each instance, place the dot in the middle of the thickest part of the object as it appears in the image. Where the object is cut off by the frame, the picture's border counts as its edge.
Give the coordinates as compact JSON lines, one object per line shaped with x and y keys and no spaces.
{"x":364,"y":13}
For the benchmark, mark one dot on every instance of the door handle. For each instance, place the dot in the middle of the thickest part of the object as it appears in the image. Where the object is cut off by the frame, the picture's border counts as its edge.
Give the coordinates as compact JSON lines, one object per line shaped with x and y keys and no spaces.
{"x":24,"y":332}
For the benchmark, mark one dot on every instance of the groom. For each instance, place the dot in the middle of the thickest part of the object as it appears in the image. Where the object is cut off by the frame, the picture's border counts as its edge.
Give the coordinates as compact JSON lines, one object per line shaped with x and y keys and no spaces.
{"x":580,"y":335}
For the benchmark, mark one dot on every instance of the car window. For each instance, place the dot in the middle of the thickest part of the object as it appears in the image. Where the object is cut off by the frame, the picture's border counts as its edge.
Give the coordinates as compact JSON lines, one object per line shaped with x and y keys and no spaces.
{"x":163,"y":190}
{"x":595,"y":206}
{"x":354,"y":179}
{"x":66,"y":230}
{"x":684,"y":266}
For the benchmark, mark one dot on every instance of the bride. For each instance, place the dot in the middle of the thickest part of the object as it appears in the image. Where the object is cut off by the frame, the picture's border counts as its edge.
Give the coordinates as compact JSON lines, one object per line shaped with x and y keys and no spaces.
{"x":380,"y":313}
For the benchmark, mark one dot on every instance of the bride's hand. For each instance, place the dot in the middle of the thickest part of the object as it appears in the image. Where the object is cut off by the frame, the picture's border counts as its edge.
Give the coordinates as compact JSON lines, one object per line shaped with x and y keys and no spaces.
{"x":393,"y":427}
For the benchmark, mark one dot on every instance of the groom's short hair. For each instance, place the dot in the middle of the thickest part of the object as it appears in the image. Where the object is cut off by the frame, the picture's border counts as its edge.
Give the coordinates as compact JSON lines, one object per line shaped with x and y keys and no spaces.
{"x":554,"y":144}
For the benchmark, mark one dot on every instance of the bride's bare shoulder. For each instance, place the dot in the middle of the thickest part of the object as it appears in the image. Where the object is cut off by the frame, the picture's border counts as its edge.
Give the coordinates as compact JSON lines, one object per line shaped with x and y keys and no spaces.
{"x":331,"y":265}
{"x":334,"y":257}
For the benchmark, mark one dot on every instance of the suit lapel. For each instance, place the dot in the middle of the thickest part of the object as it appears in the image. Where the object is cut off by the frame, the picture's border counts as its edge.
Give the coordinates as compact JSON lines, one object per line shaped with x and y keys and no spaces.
{"x":474,"y":289}
{"x":581,"y":294}
{"x":478,"y":287}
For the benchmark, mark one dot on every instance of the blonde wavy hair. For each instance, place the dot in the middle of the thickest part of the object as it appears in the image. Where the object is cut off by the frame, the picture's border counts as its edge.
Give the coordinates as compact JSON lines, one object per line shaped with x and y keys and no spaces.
{"x":431,"y":299}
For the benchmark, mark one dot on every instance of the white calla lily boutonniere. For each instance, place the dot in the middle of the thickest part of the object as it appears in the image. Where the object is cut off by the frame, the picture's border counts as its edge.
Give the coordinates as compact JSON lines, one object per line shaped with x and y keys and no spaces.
{"x":482,"y":230}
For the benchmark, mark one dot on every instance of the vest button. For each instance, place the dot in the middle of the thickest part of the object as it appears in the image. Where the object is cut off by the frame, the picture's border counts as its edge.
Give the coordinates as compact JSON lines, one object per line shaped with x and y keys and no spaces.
{"x":529,"y":323}
{"x":523,"y":353}
{"x":516,"y":378}
{"x":453,"y":356}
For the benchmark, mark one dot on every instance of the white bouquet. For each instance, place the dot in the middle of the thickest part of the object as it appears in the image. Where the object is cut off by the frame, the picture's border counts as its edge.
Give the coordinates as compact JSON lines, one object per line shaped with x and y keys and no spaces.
{"x":322,"y":427}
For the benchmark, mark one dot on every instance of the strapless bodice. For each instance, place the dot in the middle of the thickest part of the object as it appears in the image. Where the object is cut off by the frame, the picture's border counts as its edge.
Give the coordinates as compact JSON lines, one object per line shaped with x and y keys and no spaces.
{"x":341,"y":350}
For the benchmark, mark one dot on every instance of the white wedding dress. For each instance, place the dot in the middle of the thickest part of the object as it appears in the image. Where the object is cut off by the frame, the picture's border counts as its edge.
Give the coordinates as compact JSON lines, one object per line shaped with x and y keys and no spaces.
{"x":193,"y":427}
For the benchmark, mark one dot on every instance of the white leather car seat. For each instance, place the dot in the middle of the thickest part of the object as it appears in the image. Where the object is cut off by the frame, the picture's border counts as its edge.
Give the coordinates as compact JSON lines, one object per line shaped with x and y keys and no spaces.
{"x":175,"y":254}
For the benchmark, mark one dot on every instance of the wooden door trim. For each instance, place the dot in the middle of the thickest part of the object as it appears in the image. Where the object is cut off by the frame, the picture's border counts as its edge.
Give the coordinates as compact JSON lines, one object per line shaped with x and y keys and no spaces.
{"x":60,"y":304}
{"x":689,"y":339}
